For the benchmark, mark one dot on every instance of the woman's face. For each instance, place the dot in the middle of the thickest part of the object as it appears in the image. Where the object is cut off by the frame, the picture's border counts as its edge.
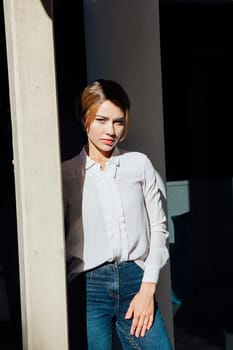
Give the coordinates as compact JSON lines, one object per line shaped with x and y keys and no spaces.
{"x":105,"y":130}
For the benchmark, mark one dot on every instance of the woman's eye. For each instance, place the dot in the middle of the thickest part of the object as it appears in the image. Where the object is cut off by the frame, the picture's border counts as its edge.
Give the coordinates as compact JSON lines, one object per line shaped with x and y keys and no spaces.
{"x":119,"y":122}
{"x":100,"y":120}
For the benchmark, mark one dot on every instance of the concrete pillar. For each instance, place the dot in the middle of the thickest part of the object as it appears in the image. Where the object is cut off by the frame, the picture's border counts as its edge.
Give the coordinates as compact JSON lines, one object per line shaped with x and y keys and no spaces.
{"x":30,"y":54}
{"x":123,"y":44}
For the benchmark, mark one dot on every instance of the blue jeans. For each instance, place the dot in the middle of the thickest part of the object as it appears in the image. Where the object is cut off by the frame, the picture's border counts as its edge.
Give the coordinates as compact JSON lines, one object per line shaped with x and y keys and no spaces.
{"x":109,"y":291}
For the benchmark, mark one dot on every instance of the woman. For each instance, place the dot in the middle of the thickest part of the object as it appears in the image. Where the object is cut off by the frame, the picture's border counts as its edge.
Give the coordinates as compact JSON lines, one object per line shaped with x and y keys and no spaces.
{"x":116,"y":242}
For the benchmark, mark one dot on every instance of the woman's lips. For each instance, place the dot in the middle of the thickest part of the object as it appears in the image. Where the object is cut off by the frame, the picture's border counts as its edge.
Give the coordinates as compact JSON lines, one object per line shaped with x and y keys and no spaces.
{"x":108,"y":141}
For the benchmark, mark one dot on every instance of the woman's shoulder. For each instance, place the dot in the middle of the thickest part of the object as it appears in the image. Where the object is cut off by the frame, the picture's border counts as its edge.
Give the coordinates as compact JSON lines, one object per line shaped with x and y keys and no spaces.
{"x":132,"y":155}
{"x":71,"y":167}
{"x":138,"y":159}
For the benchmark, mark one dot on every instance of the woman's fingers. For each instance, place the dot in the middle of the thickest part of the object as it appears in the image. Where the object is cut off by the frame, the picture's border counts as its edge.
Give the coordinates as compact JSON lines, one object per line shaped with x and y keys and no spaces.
{"x":140,"y":325}
{"x":150,"y":322}
{"x":129,"y":312}
{"x":141,"y":309}
{"x":134,"y":324}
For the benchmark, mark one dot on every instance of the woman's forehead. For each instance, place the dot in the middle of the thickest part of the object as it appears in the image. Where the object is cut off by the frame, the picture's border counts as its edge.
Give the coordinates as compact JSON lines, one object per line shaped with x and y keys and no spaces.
{"x":109,"y":109}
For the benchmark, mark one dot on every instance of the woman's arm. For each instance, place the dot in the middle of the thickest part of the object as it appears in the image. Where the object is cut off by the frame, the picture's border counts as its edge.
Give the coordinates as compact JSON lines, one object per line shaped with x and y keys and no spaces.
{"x":158,"y":251}
{"x":142,"y":305}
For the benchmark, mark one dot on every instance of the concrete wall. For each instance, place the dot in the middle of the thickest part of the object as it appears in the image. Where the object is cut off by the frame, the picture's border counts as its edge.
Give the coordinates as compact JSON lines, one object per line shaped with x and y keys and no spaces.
{"x":30,"y":53}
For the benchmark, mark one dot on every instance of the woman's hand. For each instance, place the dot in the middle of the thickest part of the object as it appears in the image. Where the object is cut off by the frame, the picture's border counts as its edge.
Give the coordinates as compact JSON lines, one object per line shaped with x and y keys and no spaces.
{"x":141,"y":309}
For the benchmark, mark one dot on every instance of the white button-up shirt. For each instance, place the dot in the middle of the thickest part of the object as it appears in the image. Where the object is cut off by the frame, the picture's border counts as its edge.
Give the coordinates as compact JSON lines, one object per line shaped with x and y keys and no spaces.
{"x":114,"y":214}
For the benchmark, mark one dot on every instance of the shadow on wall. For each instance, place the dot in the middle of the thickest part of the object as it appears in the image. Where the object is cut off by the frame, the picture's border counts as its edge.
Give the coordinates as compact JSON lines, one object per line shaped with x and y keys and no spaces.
{"x":47,"y":4}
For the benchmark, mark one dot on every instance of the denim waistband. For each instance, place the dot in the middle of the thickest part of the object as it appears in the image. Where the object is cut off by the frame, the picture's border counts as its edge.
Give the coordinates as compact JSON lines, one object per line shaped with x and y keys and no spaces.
{"x":114,"y":263}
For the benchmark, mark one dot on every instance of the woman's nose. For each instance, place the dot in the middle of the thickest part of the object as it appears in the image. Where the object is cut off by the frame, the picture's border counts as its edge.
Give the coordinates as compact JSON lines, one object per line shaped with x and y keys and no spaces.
{"x":110,"y":129}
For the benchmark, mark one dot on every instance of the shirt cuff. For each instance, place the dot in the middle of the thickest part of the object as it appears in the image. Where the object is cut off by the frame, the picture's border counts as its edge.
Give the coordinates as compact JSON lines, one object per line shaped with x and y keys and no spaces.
{"x":151,"y":273}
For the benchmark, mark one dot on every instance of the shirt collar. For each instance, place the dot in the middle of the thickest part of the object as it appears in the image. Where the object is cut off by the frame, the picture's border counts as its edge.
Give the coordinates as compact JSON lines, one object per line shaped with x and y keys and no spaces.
{"x":88,"y":162}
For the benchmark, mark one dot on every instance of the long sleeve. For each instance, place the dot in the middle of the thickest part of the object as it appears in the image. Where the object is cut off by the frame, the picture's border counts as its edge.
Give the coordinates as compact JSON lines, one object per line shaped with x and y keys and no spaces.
{"x":158,"y":251}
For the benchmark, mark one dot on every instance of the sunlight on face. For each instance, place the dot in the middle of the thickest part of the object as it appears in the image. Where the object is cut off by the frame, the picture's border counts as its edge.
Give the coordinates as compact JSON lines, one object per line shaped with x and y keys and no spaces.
{"x":106,"y":130}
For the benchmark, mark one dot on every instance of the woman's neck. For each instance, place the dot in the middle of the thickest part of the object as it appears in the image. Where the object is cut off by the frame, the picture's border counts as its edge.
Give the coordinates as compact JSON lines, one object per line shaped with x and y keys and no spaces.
{"x":97,"y":155}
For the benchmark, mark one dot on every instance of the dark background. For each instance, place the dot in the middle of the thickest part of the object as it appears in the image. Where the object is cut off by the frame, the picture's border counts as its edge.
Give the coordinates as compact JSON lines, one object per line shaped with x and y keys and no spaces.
{"x":197,"y":72}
